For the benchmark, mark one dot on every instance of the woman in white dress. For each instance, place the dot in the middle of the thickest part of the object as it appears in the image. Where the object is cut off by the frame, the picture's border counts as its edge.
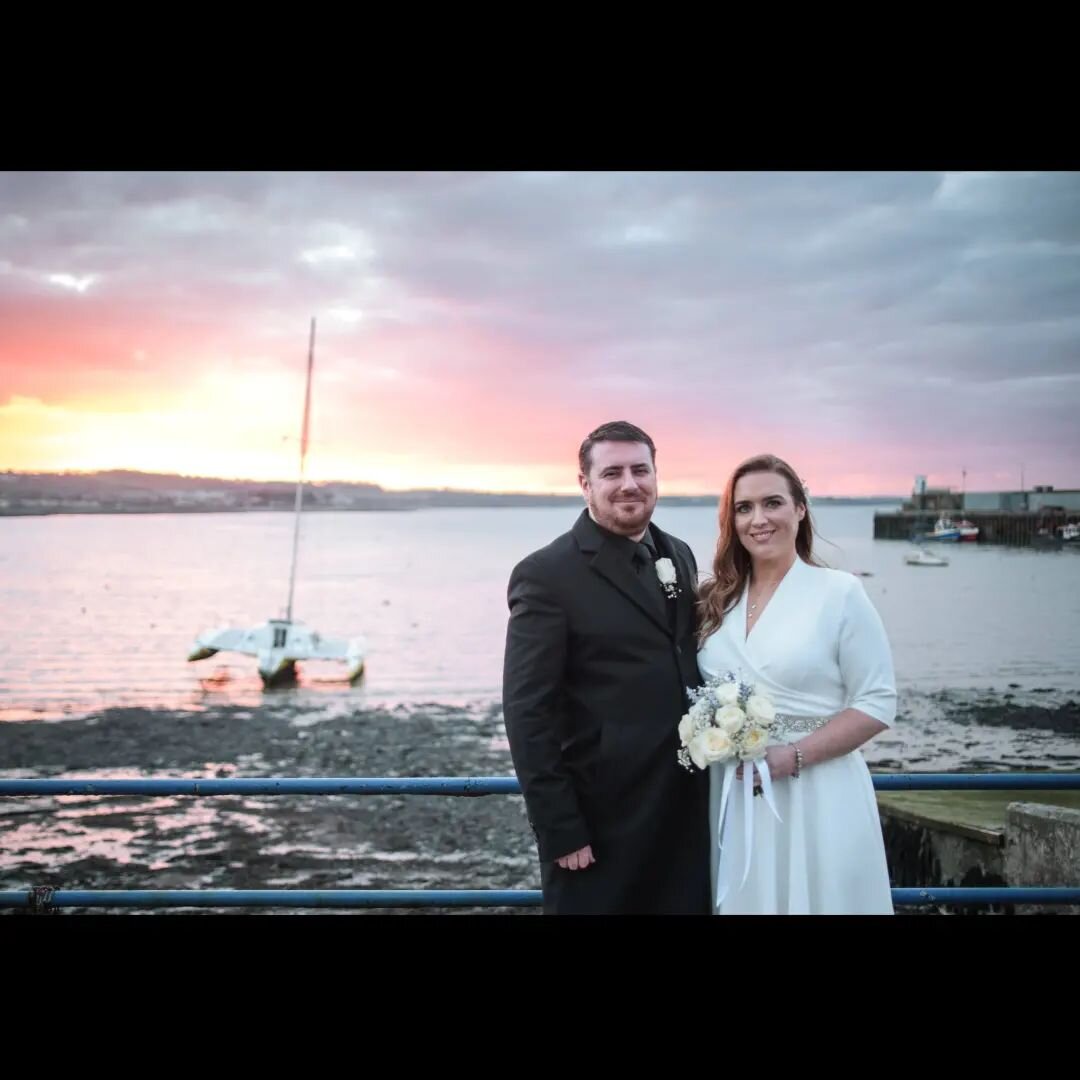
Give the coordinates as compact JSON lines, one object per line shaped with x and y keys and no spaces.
{"x":812,"y":639}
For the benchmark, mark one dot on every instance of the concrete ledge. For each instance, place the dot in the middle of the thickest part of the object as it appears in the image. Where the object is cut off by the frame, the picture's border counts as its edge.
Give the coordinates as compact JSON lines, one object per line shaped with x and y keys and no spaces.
{"x":923,"y":852}
{"x":1042,"y":847}
{"x":1037,"y":844}
{"x":983,"y":834}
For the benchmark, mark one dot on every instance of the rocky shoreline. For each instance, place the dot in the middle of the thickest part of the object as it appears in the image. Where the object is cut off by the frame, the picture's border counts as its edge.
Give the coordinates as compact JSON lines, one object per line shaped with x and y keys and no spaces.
{"x":1063,"y":719}
{"x":303,"y":842}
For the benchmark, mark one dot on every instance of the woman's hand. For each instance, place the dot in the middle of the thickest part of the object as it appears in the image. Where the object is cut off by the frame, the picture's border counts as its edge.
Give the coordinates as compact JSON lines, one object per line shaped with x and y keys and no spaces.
{"x":781,"y":761}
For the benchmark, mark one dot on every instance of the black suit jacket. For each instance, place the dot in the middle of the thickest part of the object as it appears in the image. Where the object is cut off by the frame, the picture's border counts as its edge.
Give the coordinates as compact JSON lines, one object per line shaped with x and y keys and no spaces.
{"x":594,"y":680}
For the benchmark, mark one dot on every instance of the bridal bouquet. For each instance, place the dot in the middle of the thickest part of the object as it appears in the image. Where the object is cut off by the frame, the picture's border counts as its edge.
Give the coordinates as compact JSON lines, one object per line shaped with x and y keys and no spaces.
{"x":728,"y":723}
{"x":728,"y":719}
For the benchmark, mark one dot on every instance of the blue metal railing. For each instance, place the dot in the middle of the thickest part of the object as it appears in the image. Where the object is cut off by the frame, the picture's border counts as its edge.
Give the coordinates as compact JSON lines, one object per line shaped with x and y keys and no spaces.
{"x":445,"y":898}
{"x":480,"y":785}
{"x":410,"y":785}
{"x":43,"y":899}
{"x":287,"y":898}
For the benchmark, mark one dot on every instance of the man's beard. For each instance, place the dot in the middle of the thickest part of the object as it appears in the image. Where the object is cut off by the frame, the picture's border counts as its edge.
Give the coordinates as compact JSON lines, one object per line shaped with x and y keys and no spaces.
{"x":613,"y":522}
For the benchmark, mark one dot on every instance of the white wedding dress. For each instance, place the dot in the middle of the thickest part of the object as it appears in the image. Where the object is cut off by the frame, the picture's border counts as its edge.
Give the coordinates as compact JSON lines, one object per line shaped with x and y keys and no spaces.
{"x":818,"y":647}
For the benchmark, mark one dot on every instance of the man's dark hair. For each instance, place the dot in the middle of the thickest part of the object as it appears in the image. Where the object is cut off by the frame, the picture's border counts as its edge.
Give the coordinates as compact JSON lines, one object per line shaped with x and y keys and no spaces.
{"x":616,"y":431}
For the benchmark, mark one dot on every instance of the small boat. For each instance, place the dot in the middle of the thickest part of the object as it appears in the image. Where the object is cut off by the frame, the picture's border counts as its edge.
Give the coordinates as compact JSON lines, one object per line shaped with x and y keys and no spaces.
{"x":278,"y":644}
{"x":925,"y":558}
{"x":968,"y":532}
{"x":1070,"y":534}
{"x":948,"y":531}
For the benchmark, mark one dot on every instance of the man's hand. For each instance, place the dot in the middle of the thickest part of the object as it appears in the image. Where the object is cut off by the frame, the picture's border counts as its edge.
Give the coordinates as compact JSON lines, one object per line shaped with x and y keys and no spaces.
{"x":577,"y":860}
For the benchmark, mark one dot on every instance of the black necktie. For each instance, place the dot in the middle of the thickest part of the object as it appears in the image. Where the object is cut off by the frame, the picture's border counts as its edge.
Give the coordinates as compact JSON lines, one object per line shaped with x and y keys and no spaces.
{"x":643,"y":558}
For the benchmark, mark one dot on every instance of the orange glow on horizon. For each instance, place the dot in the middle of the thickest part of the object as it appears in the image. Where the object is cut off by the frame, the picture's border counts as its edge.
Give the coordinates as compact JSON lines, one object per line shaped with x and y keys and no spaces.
{"x":383,"y":423}
{"x":234,"y":444}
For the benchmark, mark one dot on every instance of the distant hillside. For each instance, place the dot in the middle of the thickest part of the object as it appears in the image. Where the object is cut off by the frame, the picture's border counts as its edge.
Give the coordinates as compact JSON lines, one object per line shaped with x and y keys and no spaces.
{"x":126,"y":491}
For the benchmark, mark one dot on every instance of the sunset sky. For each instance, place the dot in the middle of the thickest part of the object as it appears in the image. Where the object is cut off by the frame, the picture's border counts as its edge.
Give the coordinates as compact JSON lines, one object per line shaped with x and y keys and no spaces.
{"x":473,"y":327}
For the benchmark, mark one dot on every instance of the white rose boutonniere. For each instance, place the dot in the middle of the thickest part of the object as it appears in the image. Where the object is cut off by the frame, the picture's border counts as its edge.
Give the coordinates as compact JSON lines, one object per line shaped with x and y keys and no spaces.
{"x":665,"y":571}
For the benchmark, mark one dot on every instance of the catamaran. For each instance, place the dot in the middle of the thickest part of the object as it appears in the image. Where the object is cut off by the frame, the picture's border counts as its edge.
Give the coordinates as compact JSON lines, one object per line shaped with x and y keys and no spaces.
{"x":278,"y":644}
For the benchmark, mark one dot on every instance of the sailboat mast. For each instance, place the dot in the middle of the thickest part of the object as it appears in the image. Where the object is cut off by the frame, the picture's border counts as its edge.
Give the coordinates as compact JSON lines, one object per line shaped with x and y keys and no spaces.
{"x":300,"y":482}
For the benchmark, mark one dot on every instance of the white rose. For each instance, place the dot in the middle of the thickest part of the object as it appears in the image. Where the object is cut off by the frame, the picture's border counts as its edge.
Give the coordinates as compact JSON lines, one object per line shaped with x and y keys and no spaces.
{"x":697,"y":750}
{"x":686,"y":729}
{"x":753,"y":744}
{"x":719,"y":746}
{"x":710,"y":746}
{"x":760,"y":709}
{"x":665,"y":571}
{"x":729,"y":719}
{"x":727,"y":694}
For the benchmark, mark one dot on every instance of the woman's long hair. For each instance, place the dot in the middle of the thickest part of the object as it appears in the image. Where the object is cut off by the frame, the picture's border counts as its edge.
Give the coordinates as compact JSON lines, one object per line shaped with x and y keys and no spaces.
{"x":731,"y":566}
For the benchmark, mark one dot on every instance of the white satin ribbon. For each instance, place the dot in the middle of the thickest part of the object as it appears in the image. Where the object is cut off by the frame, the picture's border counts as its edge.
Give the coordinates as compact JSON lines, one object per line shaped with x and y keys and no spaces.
{"x":723,"y":821}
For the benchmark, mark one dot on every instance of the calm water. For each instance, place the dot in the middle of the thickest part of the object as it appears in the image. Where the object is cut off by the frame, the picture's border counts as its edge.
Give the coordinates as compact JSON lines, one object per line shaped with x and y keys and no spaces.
{"x":100,"y":610}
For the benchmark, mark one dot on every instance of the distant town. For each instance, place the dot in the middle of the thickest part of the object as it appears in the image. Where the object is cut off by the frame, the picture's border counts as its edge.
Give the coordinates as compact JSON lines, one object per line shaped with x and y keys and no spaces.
{"x":130,"y":492}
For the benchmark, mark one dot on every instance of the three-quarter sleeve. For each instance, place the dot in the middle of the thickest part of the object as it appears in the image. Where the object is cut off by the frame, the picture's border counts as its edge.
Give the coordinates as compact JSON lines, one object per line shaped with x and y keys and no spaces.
{"x":865,"y":656}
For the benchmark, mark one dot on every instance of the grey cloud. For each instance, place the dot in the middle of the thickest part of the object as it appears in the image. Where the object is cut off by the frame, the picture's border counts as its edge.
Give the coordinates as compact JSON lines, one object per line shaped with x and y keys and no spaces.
{"x":855,"y":287}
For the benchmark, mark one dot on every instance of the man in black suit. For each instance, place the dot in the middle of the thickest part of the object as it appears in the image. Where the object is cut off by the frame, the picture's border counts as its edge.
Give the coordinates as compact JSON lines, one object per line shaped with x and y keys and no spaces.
{"x":599,"y":650}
